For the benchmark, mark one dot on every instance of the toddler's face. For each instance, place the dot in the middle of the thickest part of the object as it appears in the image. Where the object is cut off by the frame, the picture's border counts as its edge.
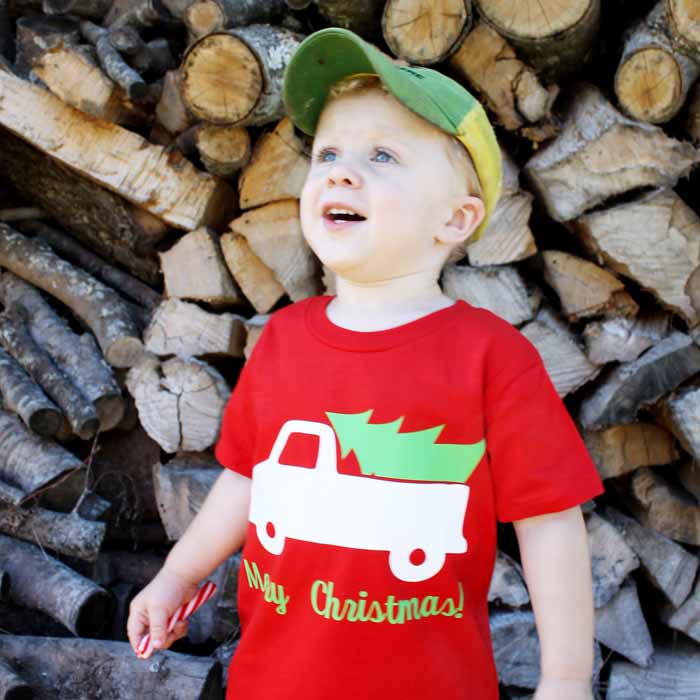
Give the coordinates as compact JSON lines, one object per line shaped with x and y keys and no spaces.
{"x":375,"y":158}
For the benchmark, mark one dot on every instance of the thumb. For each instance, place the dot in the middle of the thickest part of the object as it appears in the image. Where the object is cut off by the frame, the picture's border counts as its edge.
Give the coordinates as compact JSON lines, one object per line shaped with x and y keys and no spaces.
{"x":159,"y":624}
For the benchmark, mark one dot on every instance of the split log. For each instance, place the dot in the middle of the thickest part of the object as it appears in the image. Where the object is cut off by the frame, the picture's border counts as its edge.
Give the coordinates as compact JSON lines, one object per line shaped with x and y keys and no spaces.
{"x":113,"y":157}
{"x":43,"y":583}
{"x":508,"y":237}
{"x":194,"y":269}
{"x":30,"y":464}
{"x":584,"y":289}
{"x":424,"y":32}
{"x":84,"y":669}
{"x":509,"y":87}
{"x":669,"y":567}
{"x":22,"y":396}
{"x":180,"y":402}
{"x":186,"y":330}
{"x":632,"y":385}
{"x":692,"y":289}
{"x":620,"y":626}
{"x":655,"y":240}
{"x":673,"y":675}
{"x":624,"y":339}
{"x":97,"y":306}
{"x":686,"y":618}
{"x":65,"y":533}
{"x":555,"y":38}
{"x":36,"y":361}
{"x":235,"y":77}
{"x":36,"y":34}
{"x":254,"y":327}
{"x":181,"y":486}
{"x":684,"y":24}
{"x":106,"y":223}
{"x":12,"y":685}
{"x":624,"y":448}
{"x":202,"y":17}
{"x":137,"y":568}
{"x":662,"y":506}
{"x":566,"y":365}
{"x":600,"y":154}
{"x":680,"y":413}
{"x":256,"y":280}
{"x":94,"y":9}
{"x":612,"y":559}
{"x":274,"y":233}
{"x":501,"y":290}
{"x":689,"y":475}
{"x":360,"y":16}
{"x":277,"y":169}
{"x":507,"y":584}
{"x":224,"y":150}
{"x":171,"y":112}
{"x":653,"y":78}
{"x":692,"y":119}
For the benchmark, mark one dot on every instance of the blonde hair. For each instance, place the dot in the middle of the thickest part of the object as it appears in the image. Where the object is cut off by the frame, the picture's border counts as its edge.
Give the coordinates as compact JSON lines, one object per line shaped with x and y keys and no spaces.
{"x":455,"y":150}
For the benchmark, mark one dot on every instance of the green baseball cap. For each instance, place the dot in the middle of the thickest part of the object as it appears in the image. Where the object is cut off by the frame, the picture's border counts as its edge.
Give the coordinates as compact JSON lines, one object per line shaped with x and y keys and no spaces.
{"x":329,"y":55}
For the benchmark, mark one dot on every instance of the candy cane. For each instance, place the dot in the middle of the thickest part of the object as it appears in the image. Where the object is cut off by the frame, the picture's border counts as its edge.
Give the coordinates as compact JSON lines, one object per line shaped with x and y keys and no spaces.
{"x":145,"y":646}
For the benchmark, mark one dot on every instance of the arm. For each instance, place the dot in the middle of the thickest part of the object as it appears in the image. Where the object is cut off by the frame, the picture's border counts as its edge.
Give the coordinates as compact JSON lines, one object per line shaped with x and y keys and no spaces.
{"x":556,"y":563}
{"x":215,"y":533}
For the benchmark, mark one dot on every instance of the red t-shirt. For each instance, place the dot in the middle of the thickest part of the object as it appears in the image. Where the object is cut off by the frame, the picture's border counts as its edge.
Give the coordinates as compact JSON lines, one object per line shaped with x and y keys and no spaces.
{"x":380,"y":462}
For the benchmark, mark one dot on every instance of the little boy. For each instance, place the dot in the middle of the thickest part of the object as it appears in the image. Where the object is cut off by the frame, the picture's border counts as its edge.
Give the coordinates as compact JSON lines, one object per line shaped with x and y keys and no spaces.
{"x":375,"y":437}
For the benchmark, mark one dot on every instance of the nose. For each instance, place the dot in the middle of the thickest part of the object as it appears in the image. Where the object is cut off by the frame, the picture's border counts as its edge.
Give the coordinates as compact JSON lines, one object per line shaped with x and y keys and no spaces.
{"x":341,"y":175}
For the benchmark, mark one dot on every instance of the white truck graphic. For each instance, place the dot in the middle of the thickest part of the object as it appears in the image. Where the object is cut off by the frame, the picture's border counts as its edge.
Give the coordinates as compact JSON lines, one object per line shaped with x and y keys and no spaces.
{"x":322,"y":506}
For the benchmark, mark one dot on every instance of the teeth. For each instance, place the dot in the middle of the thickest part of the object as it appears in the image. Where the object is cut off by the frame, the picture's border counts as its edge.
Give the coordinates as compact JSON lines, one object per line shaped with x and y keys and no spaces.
{"x":341,"y":211}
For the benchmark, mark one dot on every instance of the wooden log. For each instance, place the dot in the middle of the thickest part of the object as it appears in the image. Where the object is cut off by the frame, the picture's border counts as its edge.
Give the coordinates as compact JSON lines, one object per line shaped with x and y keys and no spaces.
{"x":692,"y":288}
{"x":507,"y":585}
{"x":669,"y":567}
{"x":202,"y":17}
{"x":12,"y":685}
{"x":136,"y":13}
{"x":620,"y":626}
{"x":254,"y":327}
{"x":680,"y":413}
{"x":624,"y":339}
{"x":686,"y":618}
{"x":600,"y":154}
{"x":235,"y":77}
{"x":567,"y":366}
{"x":509,"y":87}
{"x":277,"y":169}
{"x":22,"y":396}
{"x":84,"y":669}
{"x":126,"y":40}
{"x":660,"y":505}
{"x":256,"y":280}
{"x":94,"y":9}
{"x":224,"y":150}
{"x":36,"y":361}
{"x":185,"y":330}
{"x":97,"y":306}
{"x":684,"y":24}
{"x":612,"y":559}
{"x":171,"y":112}
{"x":65,"y":533}
{"x":103,"y":221}
{"x":113,"y":157}
{"x":425,"y":33}
{"x":360,"y":16}
{"x":689,"y":475}
{"x":274,"y":233}
{"x":632,"y":385}
{"x":76,"y":602}
{"x":555,"y":38}
{"x":180,"y":402}
{"x":181,"y":486}
{"x":137,"y":568}
{"x":653,"y":76}
{"x":153,"y":60}
{"x":673,"y":675}
{"x":194,"y":269}
{"x":584,"y":289}
{"x":508,"y":237}
{"x":500,"y":289}
{"x":36,"y":34}
{"x":692,"y":119}
{"x":243,"y":12}
{"x":21,"y":214}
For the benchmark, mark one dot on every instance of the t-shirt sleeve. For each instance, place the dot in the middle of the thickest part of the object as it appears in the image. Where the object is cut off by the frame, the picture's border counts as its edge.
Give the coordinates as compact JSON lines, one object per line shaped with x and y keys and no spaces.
{"x":234,"y":448}
{"x":539,"y":462}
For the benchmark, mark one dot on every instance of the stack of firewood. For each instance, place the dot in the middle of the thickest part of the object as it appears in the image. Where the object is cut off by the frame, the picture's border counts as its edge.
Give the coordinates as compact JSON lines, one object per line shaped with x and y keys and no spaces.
{"x":149,"y":224}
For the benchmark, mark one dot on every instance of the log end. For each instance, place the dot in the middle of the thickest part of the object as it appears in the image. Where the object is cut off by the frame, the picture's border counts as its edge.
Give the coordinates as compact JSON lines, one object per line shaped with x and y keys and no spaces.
{"x":110,"y":410}
{"x":46,"y":422}
{"x":95,"y":615}
{"x":124,"y":352}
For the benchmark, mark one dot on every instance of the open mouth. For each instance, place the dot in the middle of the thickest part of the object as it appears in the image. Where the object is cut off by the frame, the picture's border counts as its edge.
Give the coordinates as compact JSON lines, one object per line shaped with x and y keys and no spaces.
{"x":338,"y":214}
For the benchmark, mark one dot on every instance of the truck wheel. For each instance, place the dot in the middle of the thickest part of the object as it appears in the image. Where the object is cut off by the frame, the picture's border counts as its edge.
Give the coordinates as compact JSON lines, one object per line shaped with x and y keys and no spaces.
{"x":270,"y":537}
{"x":404,"y":569}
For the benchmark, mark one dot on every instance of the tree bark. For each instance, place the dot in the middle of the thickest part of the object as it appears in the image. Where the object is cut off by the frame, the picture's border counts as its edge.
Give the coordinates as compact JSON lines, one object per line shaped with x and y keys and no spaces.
{"x":94,"y":9}
{"x":684,"y":23}
{"x":36,"y":34}
{"x":96,"y":305}
{"x":12,"y":685}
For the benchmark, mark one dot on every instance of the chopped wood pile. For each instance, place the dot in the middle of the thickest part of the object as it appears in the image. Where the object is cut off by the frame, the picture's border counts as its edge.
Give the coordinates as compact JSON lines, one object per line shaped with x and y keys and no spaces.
{"x":149,"y":225}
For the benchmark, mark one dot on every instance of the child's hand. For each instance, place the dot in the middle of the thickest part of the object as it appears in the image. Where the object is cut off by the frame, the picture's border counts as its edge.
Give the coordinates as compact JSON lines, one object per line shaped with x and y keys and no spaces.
{"x":559,"y":689}
{"x":151,"y":609}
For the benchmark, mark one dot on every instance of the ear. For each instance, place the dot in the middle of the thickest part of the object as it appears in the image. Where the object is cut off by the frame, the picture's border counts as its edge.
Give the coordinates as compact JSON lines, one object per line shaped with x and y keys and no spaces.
{"x":464,"y":220}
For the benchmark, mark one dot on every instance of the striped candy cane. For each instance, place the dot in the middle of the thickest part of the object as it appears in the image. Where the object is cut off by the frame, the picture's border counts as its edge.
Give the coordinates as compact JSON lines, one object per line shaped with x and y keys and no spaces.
{"x":145,"y":646}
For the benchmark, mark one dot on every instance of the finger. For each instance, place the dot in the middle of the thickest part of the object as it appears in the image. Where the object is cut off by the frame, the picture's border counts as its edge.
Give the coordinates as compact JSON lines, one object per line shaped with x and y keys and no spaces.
{"x":180,"y":630}
{"x":136,"y":626}
{"x":159,"y":624}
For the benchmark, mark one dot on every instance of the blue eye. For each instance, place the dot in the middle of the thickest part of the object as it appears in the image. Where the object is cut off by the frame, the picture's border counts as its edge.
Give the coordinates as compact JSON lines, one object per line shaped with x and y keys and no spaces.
{"x":380,"y":152}
{"x":320,"y":157}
